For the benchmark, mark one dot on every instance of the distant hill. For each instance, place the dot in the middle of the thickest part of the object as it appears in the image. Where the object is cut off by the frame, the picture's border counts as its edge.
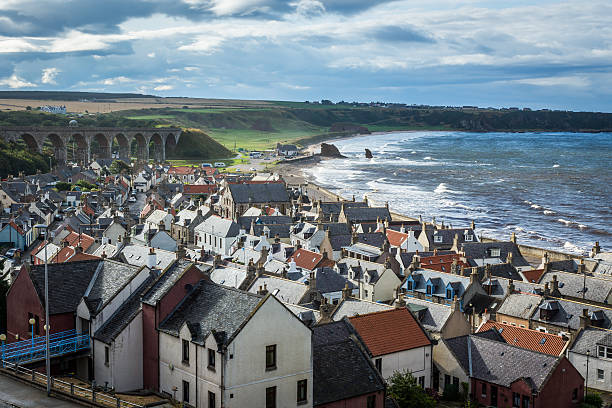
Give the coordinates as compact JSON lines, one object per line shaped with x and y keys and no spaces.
{"x":67,"y":96}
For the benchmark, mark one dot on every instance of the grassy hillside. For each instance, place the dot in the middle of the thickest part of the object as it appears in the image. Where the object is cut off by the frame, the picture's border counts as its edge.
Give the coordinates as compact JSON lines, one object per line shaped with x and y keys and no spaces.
{"x":195,"y":144}
{"x":16,"y":158}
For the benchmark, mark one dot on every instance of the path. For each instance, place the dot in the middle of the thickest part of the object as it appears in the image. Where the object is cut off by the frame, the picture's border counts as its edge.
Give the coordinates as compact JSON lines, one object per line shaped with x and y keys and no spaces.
{"x":16,"y":394}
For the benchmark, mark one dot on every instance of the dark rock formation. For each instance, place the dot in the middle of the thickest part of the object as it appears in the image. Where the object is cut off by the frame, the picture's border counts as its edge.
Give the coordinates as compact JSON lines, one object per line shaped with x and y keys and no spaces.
{"x":368,"y":154}
{"x":329,"y":150}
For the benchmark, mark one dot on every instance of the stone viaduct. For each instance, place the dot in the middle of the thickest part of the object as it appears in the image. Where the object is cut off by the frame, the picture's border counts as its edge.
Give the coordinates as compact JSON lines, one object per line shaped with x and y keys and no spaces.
{"x":87,"y":144}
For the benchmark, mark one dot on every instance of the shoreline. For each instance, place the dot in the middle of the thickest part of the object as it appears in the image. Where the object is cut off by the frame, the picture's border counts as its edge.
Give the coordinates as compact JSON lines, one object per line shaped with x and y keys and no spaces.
{"x":297,"y":175}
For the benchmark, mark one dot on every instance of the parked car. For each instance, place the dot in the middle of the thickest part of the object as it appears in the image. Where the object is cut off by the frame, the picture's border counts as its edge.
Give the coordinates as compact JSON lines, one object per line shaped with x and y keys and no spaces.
{"x":132,"y":199}
{"x":11,"y":252}
{"x":58,"y":217}
{"x":206,"y":165}
{"x":219,"y":164}
{"x":253,"y":169}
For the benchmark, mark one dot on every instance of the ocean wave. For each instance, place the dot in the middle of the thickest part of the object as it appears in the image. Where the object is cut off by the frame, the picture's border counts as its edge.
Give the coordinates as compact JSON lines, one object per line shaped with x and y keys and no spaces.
{"x":568,"y":246}
{"x":441,"y":189}
{"x":537,"y":207}
{"x":555,"y":165}
{"x":566,"y":222}
{"x":548,"y":212}
{"x":428,"y":158}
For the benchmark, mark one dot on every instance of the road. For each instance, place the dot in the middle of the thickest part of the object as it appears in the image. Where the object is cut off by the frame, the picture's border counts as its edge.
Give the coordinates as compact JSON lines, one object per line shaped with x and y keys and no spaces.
{"x":16,"y":394}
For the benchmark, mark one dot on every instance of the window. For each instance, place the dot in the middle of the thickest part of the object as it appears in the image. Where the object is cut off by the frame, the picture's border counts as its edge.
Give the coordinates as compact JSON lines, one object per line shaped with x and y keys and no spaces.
{"x":456,"y":382}
{"x":106,"y":356}
{"x":302,"y":391}
{"x":410,"y":285}
{"x":271,"y":358}
{"x":378,"y":364}
{"x":429,"y":289}
{"x":495,"y":252}
{"x":437,"y":238}
{"x":575,"y":395}
{"x":185,"y":391}
{"x":212,"y":400}
{"x":186,"y":351}
{"x":422,"y":381}
{"x":603,"y":351}
{"x":516,"y":400}
{"x":271,"y":397}
{"x":449,"y":294}
{"x":468,"y":237}
{"x":371,"y":401}
{"x":211,"y":359}
{"x":600,"y":374}
{"x":447,"y":380}
{"x":525,"y":401}
{"x":484,"y":390}
{"x":365,"y":293}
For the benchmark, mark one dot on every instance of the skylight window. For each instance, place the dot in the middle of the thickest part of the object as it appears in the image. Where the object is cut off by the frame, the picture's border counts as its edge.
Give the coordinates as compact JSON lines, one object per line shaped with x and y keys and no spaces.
{"x":543,"y":341}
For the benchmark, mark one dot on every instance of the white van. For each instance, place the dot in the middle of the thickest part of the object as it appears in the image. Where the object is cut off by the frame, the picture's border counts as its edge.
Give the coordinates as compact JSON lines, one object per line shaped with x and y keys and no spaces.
{"x":219,"y":164}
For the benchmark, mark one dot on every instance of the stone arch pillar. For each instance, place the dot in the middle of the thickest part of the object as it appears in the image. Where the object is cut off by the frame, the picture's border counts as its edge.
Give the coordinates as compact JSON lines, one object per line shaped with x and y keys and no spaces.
{"x":60,"y":152}
{"x":124,"y":146}
{"x":143,"y":147}
{"x":82,"y":150}
{"x":103,"y":150}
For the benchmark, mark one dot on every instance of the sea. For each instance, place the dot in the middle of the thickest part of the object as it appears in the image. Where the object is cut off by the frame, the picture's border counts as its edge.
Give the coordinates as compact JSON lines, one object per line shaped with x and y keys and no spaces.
{"x":554,"y":190}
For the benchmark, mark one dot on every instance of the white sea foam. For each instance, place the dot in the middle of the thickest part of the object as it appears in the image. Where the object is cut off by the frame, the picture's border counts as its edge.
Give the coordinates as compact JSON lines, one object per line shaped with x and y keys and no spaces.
{"x":428,"y":158}
{"x":413,"y":152}
{"x":555,"y":165}
{"x":566,"y":222}
{"x":582,"y":226}
{"x":568,"y":246}
{"x":537,"y":207}
{"x":548,"y":212}
{"x":441,"y":189}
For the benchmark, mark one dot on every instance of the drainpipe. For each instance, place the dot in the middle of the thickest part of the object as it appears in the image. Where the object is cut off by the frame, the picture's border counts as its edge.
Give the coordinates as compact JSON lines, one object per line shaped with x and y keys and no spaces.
{"x":222,"y":386}
{"x":196,"y":377}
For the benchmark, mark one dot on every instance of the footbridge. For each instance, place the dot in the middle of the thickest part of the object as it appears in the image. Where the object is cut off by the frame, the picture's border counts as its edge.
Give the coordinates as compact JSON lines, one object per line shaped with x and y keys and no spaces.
{"x":81,"y":144}
{"x":29,"y":351}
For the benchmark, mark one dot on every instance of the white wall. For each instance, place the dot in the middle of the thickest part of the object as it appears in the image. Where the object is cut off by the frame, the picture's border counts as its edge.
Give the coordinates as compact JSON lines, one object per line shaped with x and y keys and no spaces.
{"x":447,"y":365}
{"x":417,"y":361}
{"x":595,"y":363}
{"x":246,"y":375}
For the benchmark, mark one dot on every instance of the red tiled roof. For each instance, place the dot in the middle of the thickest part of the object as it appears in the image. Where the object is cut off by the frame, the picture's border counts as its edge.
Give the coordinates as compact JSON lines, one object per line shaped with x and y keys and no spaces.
{"x":390,"y":331}
{"x":534,"y":275}
{"x":73,"y":240}
{"x":209,"y":171}
{"x":396,"y":238}
{"x":82,"y":256}
{"x":199,"y":189}
{"x":306,"y":259}
{"x":181,"y":170}
{"x":87,"y":210}
{"x":326,"y":263}
{"x":16,"y":227}
{"x":526,"y":338}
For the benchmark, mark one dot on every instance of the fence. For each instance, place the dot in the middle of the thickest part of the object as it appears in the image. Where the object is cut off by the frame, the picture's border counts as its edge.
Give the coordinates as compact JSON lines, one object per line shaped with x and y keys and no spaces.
{"x":28,"y":351}
{"x":68,"y":389}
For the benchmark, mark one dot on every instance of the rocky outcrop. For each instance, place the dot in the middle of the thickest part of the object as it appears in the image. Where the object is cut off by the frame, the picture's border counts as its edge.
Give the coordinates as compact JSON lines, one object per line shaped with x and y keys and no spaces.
{"x":329,"y":150}
{"x":368,"y":154}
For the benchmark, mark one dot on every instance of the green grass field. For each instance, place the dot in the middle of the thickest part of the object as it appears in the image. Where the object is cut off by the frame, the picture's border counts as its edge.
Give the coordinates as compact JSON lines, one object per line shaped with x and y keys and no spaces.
{"x":257,"y":140}
{"x":151,"y":117}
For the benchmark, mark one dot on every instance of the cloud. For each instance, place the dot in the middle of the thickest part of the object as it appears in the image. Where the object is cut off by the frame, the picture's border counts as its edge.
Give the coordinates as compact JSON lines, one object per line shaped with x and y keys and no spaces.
{"x":571,"y":81}
{"x":402,"y":34}
{"x":151,"y":55}
{"x":14,"y":82}
{"x":117,"y":80}
{"x":163,"y":88}
{"x":48,"y":75}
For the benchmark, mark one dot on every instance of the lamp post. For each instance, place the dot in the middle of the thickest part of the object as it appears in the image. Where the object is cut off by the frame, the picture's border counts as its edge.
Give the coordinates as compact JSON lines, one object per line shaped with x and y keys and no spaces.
{"x":47,"y":326}
{"x":2,"y":339}
{"x":32,"y":322}
{"x":588,"y":353}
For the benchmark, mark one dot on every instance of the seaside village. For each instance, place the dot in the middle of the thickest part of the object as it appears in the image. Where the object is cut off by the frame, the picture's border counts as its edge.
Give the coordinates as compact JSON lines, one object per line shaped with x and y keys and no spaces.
{"x":195,"y":287}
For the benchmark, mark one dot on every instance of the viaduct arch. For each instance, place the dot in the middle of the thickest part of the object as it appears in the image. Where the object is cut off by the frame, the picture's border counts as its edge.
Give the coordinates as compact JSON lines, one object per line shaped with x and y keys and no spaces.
{"x":96,"y":143}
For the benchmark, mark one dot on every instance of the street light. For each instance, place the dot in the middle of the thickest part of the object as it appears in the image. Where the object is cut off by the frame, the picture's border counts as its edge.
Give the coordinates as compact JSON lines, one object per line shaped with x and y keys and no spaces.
{"x":32,"y":322}
{"x":588,"y":353}
{"x":47,"y":326}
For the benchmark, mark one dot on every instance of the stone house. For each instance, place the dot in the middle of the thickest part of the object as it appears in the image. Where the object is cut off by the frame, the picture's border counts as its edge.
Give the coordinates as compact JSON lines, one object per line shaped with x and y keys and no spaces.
{"x":237,"y":198}
{"x":184,"y":223}
{"x":217,"y":235}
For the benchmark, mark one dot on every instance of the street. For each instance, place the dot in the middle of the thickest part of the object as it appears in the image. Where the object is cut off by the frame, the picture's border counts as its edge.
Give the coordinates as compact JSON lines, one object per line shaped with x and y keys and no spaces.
{"x":16,"y":394}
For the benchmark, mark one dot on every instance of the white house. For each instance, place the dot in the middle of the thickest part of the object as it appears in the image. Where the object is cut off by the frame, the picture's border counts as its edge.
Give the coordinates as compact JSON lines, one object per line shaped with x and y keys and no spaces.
{"x":406,"y":345}
{"x":113,"y":232}
{"x":217,"y":235}
{"x":222,"y":347}
{"x":598,"y":344}
{"x":159,"y":220}
{"x":374,"y":281}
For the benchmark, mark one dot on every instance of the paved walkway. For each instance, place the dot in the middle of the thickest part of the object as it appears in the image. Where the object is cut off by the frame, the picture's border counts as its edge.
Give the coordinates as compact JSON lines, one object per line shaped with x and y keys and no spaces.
{"x":16,"y":394}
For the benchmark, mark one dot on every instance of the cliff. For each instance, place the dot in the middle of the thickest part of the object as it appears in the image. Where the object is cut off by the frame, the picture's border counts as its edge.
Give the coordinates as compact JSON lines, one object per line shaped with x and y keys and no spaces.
{"x":329,"y":150}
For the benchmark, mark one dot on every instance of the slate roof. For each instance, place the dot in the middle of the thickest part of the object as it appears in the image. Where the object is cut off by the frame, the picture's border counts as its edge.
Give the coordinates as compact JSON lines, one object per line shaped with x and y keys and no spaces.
{"x":165,"y":281}
{"x":282,"y":230}
{"x":520,"y":305}
{"x":259,"y":193}
{"x":219,"y":227}
{"x":364,"y":214}
{"x":109,"y":280}
{"x":136,"y":255}
{"x":589,"y":338}
{"x":328,"y":280}
{"x":285,"y":290}
{"x":568,"y":313}
{"x":432,"y":315}
{"x":501,"y":363}
{"x":482,"y":250}
{"x":526,"y":338}
{"x":211,"y":307}
{"x":448,"y":236}
{"x":341,"y":370}
{"x":390,"y":331}
{"x":245,"y":221}
{"x":440,"y":280}
{"x":334,"y":207}
{"x":69,"y":283}
{"x":124,"y":315}
{"x":228,"y":276}
{"x":353,"y":307}
{"x":573,"y":285}
{"x":567,"y":265}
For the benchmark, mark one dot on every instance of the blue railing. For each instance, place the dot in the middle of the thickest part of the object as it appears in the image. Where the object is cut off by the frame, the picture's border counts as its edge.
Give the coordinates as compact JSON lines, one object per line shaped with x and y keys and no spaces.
{"x":27,"y":351}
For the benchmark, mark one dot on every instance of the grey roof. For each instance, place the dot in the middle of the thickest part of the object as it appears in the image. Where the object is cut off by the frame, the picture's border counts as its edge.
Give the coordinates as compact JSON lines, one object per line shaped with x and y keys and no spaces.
{"x":328,"y":280}
{"x":69,"y":281}
{"x":448,"y":236}
{"x":334,"y":207}
{"x":567,"y":265}
{"x":576,"y":285}
{"x":440,"y":280}
{"x":218,"y":226}
{"x":211,"y":308}
{"x":259,"y":193}
{"x":341,"y":369}
{"x":229,"y":276}
{"x":520,"y":305}
{"x":568,"y":314}
{"x":482,"y":250}
{"x":353,"y":307}
{"x":282,"y":230}
{"x":363,"y":214}
{"x":245,"y":221}
{"x":135,"y":254}
{"x":124,"y":315}
{"x":432,"y":315}
{"x":501,"y":363}
{"x":502,"y":270}
{"x":588,"y":340}
{"x":109,"y":280}
{"x":165,"y":281}
{"x":285,"y":290}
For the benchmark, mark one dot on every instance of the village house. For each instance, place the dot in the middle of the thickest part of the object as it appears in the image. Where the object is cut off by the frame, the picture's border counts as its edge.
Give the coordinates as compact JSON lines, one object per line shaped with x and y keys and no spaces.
{"x":593,"y":346}
{"x":260,"y":354}
{"x":186,"y":174}
{"x":237,"y":198}
{"x":182,"y":228}
{"x":216,"y":235}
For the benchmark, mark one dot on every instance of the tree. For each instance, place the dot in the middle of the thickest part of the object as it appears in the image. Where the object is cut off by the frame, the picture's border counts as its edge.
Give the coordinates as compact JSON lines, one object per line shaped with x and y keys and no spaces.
{"x":63,"y":186}
{"x":592,"y":400}
{"x":119,"y":166}
{"x":403,"y":387}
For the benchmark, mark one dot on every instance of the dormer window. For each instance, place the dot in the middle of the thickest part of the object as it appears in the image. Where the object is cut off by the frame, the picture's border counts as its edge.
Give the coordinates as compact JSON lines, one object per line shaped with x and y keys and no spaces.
{"x":469,"y":237}
{"x":409,"y":284}
{"x":438,"y":238}
{"x":495,"y":252}
{"x":429,"y":289}
{"x":449,"y":293}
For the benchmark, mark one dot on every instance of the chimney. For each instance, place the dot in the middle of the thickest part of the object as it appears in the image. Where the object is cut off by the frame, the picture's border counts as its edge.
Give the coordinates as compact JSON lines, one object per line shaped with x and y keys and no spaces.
{"x":181,"y":252}
{"x":326,"y":309}
{"x":78,"y":249}
{"x":596,"y":249}
{"x":585,"y":320}
{"x":263,"y":290}
{"x":402,"y":229}
{"x":346,"y":291}
{"x":546,"y":289}
{"x":216,"y":260}
{"x":312,"y":282}
{"x":400,"y":302}
{"x":251,"y":269}
{"x":455,"y":305}
{"x":474,"y":276}
{"x":555,"y":285}
{"x":455,"y":267}
{"x":510,"y":286}
{"x":473,"y":225}
{"x":513,"y":238}
{"x":151,"y":259}
{"x":581,"y":266}
{"x":103,"y":256}
{"x":509,"y":258}
{"x":456,"y":243}
{"x":416,"y":261}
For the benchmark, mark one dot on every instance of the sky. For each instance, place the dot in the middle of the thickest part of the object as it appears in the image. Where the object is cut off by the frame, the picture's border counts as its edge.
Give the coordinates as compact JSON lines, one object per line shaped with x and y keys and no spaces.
{"x":537,"y":54}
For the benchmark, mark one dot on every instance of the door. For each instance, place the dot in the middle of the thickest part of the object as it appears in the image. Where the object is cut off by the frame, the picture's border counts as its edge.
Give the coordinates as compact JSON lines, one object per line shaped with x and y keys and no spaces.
{"x":494,"y":395}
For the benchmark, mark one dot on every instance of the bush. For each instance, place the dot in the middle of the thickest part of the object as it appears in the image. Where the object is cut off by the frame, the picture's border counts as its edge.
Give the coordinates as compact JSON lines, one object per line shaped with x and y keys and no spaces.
{"x":451,"y":393}
{"x":593,"y":399}
{"x":405,"y":390}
